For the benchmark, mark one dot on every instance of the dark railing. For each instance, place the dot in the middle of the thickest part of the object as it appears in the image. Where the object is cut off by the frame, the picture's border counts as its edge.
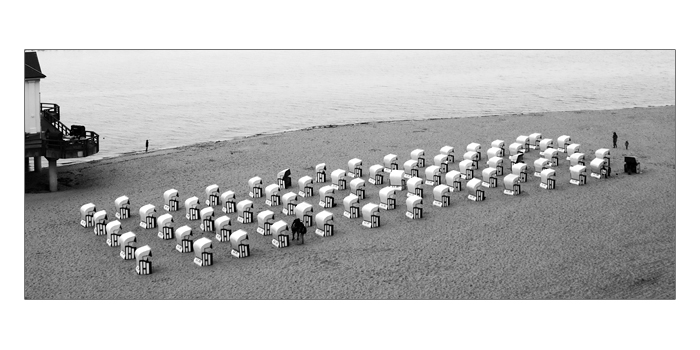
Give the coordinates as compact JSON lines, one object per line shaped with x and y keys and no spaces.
{"x":52,"y":113}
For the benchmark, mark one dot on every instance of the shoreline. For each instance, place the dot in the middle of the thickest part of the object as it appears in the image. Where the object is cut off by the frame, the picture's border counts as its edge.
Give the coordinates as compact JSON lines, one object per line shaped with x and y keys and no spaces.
{"x":599,"y":241}
{"x":327,"y":126}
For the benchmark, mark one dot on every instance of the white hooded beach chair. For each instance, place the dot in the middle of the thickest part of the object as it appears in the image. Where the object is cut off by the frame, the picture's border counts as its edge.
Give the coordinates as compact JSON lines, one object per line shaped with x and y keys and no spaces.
{"x":547,"y":180}
{"x":563,"y":141}
{"x":113,"y":233}
{"x":357,"y":187}
{"x":414,"y":207}
{"x":203,"y":252}
{"x":327,"y":194}
{"x":440,"y":160}
{"x":265,"y":220}
{"x":449,"y":151}
{"x":534,"y":140}
{"x":474,"y":190}
{"x":280,"y":234}
{"x":192,"y":207}
{"x":552,"y":155}
{"x":577,"y":159}
{"x":100,"y":220}
{"x":511,"y":182}
{"x":516,"y":148}
{"x":453,"y":179}
{"x":578,"y":174}
{"x":306,"y":186}
{"x":524,"y":141}
{"x":324,"y":224}
{"x":255,"y":187}
{"x":599,"y":168}
{"x":207,"y":217}
{"x":520,"y":169}
{"x":476,"y":148}
{"x":228,"y":200}
{"x":289,"y":202}
{"x":415,"y":187}
{"x":432,"y":175}
{"x":212,"y":192}
{"x":245,"y":211}
{"x":338,"y":179}
{"x":472,"y":156}
{"x":499,"y":144}
{"x":87,"y":212}
{"x":166,"y":226}
{"x":488,"y":177}
{"x":541,"y":164}
{"x":604,"y":153}
{"x":355,"y":167}
{"x":148,"y":216}
{"x":376,"y":174}
{"x":545,"y":144}
{"x":572,"y":148}
{"x":321,"y":172}
{"x":387,"y":198}
{"x":272,"y":195}
{"x":222,"y":228}
{"x":122,"y":205}
{"x":127,"y":245}
{"x":466,"y":168}
{"x":239,"y":244}
{"x":411,"y":168}
{"x":419,"y":156}
{"x":441,"y":196}
{"x":183,"y":239}
{"x":370,"y":215}
{"x":516,"y":158}
{"x":391,"y":161}
{"x":351,"y":204}
{"x":171,"y":199}
{"x":304,"y":212}
{"x":144,"y":259}
{"x":397,"y":179}
{"x":494,"y":152}
{"x":497,"y":163}
{"x":284,"y":179}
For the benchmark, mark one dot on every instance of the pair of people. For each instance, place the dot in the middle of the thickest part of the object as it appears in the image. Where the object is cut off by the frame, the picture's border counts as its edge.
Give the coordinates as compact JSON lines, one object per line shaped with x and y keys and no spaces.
{"x":298,"y":230}
{"x":627,"y":143}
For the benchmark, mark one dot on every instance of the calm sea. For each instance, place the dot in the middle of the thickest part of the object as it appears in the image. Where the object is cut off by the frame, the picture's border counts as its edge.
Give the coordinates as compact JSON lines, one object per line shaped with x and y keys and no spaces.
{"x":176,"y":98}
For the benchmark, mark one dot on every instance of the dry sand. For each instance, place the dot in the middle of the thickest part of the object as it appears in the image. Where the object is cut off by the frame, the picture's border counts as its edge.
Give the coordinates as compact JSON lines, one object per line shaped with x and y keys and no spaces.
{"x":610,"y":239}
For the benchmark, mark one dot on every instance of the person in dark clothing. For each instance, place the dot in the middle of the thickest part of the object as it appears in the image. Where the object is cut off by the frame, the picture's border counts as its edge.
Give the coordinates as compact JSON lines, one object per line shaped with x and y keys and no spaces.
{"x":627,"y":144}
{"x":146,"y":146}
{"x":614,"y":139}
{"x":296,"y":228}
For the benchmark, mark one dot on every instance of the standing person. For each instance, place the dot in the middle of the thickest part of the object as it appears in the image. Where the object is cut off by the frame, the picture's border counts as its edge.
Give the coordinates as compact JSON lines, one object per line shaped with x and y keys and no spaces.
{"x":146,"y":146}
{"x":614,"y":139}
{"x":627,"y":144}
{"x":302,"y":231}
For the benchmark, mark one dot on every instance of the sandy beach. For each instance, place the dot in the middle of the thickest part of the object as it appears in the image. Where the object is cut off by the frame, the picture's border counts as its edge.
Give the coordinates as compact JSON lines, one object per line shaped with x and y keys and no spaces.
{"x":610,"y":239}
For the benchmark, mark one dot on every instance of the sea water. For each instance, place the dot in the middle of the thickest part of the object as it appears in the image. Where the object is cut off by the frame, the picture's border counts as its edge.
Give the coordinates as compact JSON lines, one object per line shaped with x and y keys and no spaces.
{"x":180,"y":97}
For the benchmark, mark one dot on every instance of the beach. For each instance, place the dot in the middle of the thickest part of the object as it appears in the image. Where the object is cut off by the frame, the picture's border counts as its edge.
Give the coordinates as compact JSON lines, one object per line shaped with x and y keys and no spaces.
{"x":612,"y":238}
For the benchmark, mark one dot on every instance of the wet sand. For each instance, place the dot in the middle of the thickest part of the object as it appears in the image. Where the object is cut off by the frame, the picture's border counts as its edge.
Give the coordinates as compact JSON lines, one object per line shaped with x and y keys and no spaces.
{"x":610,"y":239}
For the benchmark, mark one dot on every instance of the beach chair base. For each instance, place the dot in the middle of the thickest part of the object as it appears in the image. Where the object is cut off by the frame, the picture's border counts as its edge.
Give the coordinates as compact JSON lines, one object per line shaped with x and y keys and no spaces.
{"x":143,"y":267}
{"x":206,"y":260}
{"x":87,"y":221}
{"x":326,"y":232}
{"x":478,"y":197}
{"x":166,"y":233}
{"x":242,"y":252}
{"x":123,"y":213}
{"x":265,"y":230}
{"x":289,"y":210}
{"x":224,"y":235}
{"x":353,"y":213}
{"x":377,"y":180}
{"x":308,"y":220}
{"x":245,"y":217}
{"x":100,"y":229}
{"x":283,"y":241}
{"x":192,"y":214}
{"x":185,"y":246}
{"x":213,"y":200}
{"x":129,"y":253}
